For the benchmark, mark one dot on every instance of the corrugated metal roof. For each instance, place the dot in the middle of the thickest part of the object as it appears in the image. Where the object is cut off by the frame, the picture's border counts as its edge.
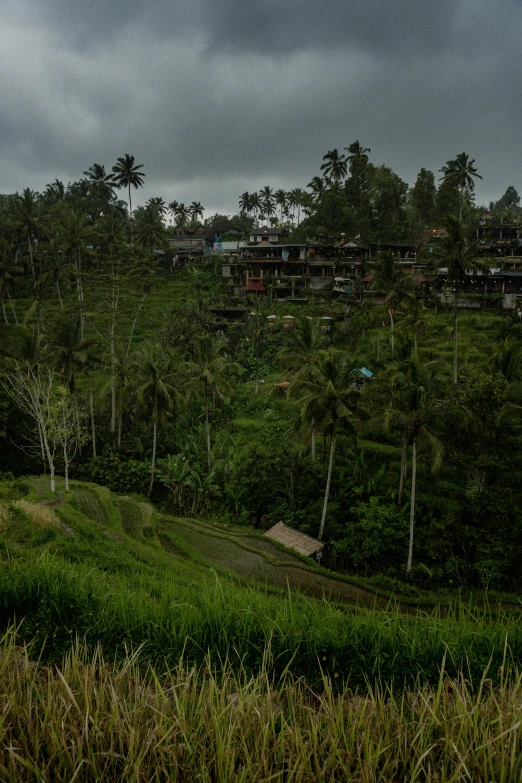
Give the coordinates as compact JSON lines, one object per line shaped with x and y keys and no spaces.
{"x":294,"y":539}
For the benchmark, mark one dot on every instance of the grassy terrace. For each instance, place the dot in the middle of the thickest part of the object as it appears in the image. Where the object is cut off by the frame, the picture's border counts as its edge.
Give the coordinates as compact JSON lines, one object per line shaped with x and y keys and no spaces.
{"x":112,"y":571}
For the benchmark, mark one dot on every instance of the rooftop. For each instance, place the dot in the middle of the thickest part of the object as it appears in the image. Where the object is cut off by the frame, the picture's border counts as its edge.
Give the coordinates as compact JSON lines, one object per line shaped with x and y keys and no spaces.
{"x":294,"y":539}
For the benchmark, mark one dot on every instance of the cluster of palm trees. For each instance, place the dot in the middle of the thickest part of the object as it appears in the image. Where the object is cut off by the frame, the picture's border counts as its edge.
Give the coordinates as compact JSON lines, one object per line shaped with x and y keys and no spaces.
{"x":263,"y":205}
{"x":182,"y":213}
{"x":125,"y":173}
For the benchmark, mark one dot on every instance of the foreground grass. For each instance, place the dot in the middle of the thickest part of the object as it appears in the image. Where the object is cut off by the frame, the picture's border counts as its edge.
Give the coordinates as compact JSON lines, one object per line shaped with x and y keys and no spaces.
{"x":89,"y":719}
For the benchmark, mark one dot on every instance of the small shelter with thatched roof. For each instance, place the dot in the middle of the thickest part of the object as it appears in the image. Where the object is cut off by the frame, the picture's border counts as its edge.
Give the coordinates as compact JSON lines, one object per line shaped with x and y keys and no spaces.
{"x":294,"y":539}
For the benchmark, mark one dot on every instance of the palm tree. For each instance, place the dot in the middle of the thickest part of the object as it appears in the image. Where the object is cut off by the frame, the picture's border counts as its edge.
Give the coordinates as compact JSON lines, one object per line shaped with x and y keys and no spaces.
{"x":9,"y":272}
{"x":328,"y":398}
{"x":54,"y":268}
{"x":358,"y":154}
{"x":245,"y":203}
{"x":25,"y":220}
{"x":196,"y":210}
{"x":210,"y":371}
{"x":266,"y":196}
{"x":414,"y":410}
{"x":182,"y":214}
{"x":173,"y":208}
{"x":281,"y":199}
{"x":317,"y":186}
{"x":75,"y":233}
{"x":301,"y":353}
{"x":70,"y":350}
{"x":55,"y":191}
{"x":156,"y":391}
{"x":335,"y":166}
{"x":127,"y":173}
{"x":390,"y":281}
{"x":256,"y":205}
{"x":455,"y":254}
{"x":157,"y":205}
{"x":100,"y":180}
{"x":462,"y":173}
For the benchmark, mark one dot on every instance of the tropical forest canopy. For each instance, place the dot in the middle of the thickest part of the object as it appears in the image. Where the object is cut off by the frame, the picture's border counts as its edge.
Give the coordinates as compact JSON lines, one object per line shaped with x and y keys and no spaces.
{"x":118,"y":368}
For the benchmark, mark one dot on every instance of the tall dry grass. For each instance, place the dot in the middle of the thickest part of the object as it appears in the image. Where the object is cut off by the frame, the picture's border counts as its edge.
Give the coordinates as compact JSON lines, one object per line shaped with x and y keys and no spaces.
{"x":90,"y":720}
{"x":43,"y":517}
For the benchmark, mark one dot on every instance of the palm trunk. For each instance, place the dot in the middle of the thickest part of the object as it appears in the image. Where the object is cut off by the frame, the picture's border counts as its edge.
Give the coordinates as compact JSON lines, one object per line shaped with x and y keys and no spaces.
{"x":30,"y":248}
{"x":59,"y":294}
{"x":113,"y":378}
{"x":257,"y":366}
{"x":4,"y":312}
{"x":328,"y":481}
{"x":134,"y":324}
{"x":207,"y":426}
{"x":313,"y":440}
{"x":153,"y":465}
{"x":403,"y":471}
{"x":392,"y":332}
{"x":12,"y":307}
{"x":91,"y":407}
{"x":455,"y":338}
{"x":412,"y":503}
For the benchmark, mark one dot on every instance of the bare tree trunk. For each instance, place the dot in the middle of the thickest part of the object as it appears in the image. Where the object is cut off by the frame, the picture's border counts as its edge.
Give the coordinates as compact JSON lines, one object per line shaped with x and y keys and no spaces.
{"x":412,"y":503}
{"x":403,"y":471}
{"x":42,"y":447}
{"x":153,"y":465}
{"x":328,"y":481}
{"x":91,"y":407}
{"x":66,"y":467}
{"x":50,"y":459}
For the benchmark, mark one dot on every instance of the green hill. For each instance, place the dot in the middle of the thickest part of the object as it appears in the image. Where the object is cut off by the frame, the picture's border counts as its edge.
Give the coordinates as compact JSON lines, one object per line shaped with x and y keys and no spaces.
{"x":113,"y":571}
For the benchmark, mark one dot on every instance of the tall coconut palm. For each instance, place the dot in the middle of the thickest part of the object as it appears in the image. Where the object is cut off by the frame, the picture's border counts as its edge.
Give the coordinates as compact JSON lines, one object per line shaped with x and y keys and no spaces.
{"x":281,"y":199}
{"x":414,"y":409}
{"x":9,"y":273}
{"x":256,"y":205}
{"x":182,"y":214}
{"x":156,"y":391}
{"x":462,"y":173}
{"x":127,"y":174}
{"x":266,"y":196}
{"x":455,"y":254}
{"x":209,"y":371}
{"x":25,"y":220}
{"x":245,"y":203}
{"x":389,"y":280}
{"x":357,"y":154}
{"x":101,"y":181}
{"x":318,"y":186}
{"x":328,"y":398}
{"x":75,"y":234}
{"x":335,"y":166}
{"x":173,"y":208}
{"x":157,"y":205}
{"x":196,"y":210}
{"x":300,"y":354}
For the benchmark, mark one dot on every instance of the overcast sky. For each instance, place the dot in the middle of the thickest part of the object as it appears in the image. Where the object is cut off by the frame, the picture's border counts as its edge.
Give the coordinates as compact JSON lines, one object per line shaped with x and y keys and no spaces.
{"x":216,"y":97}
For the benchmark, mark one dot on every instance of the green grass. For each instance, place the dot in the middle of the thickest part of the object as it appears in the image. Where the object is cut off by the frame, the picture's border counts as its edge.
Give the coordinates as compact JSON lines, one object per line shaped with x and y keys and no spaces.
{"x":189,"y":591}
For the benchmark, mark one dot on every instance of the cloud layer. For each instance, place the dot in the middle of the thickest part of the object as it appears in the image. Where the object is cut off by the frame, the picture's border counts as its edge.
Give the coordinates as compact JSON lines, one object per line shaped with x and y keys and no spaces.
{"x":217,"y":98}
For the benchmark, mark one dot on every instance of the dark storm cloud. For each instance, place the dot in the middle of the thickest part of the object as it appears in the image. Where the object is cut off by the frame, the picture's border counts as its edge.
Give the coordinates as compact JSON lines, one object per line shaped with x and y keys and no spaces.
{"x":220,"y":97}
